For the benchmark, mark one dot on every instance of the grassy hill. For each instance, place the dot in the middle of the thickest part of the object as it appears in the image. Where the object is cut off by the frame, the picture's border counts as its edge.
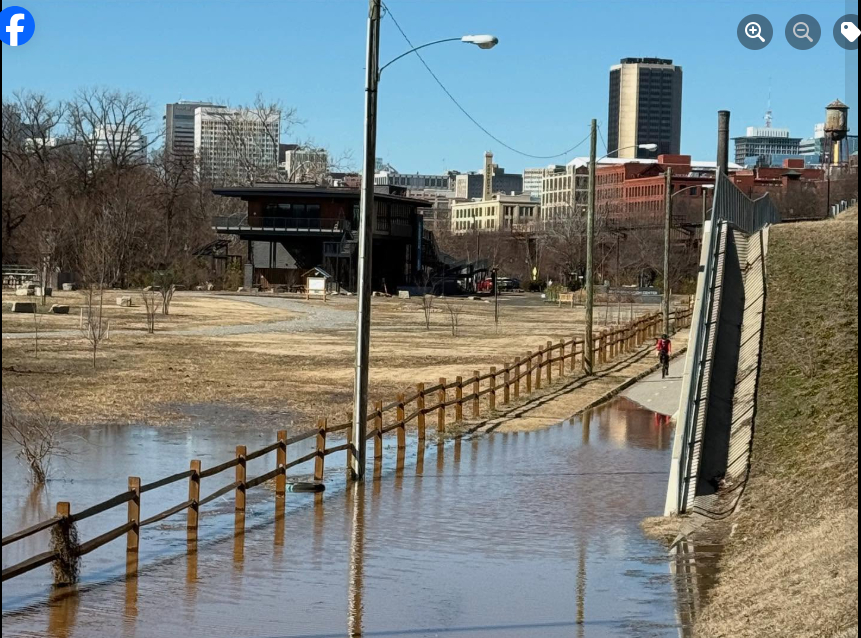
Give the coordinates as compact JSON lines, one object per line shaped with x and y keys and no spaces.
{"x":790,"y":567}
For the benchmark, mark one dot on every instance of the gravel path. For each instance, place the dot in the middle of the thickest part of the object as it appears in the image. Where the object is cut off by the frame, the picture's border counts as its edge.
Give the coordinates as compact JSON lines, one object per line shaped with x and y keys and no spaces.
{"x":311,"y":316}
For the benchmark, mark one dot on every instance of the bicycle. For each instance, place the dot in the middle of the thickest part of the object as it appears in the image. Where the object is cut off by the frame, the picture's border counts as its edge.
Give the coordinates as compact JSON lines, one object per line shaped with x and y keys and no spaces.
{"x":665,"y":364}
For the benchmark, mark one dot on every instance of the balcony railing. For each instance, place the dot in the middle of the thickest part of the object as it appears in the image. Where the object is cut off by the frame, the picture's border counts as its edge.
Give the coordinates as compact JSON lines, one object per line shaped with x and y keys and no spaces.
{"x":242,"y":221}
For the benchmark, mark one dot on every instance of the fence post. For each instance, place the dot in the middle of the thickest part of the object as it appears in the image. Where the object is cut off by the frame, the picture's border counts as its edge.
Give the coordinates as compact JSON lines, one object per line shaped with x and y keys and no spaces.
{"x":476,"y":399}
{"x":516,"y":378}
{"x":320,"y":460}
{"x":573,"y":354}
{"x":420,"y":406}
{"x":351,"y":450}
{"x":458,"y":395}
{"x":402,"y":432}
{"x":561,"y":358}
{"x":440,"y":415}
{"x":539,"y":368}
{"x":280,"y":462}
{"x":133,"y":536}
{"x":549,"y":362}
{"x":506,"y":379}
{"x":378,"y":437}
{"x":240,"y":478}
{"x":193,"y":495}
{"x":528,"y":373}
{"x":491,"y":397}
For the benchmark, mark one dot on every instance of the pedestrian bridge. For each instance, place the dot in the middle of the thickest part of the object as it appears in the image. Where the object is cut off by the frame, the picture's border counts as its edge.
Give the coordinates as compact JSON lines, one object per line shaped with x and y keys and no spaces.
{"x":714,"y":429}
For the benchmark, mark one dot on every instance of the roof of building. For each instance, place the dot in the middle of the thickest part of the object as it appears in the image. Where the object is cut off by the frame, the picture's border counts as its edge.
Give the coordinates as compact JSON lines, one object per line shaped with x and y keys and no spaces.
{"x":310,"y":190}
{"x":580,"y":162}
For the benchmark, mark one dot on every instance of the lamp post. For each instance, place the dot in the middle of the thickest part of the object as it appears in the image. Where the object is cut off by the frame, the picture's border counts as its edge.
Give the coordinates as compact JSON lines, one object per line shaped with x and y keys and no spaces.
{"x":366,"y":210}
{"x":668,"y":220}
{"x":590,"y":237}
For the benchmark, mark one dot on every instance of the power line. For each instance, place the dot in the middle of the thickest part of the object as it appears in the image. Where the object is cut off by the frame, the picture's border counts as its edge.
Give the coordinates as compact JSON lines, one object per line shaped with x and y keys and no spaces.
{"x":466,"y":113}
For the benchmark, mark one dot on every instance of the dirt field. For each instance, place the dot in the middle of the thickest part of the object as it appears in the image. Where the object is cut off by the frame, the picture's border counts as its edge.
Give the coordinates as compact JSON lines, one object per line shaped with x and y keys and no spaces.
{"x":262,"y":362}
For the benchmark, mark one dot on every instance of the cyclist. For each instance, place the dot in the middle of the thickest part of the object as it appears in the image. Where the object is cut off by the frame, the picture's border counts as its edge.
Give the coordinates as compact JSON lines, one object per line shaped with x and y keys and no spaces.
{"x":664,"y":347}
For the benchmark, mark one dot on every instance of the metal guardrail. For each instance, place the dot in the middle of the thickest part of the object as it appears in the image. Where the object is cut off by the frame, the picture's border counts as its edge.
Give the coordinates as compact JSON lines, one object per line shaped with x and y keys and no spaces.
{"x":310,"y":224}
{"x":732,"y":209}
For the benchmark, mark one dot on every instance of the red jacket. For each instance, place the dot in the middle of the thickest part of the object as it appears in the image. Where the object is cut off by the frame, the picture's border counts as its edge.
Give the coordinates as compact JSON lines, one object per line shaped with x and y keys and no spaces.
{"x":664,"y":345}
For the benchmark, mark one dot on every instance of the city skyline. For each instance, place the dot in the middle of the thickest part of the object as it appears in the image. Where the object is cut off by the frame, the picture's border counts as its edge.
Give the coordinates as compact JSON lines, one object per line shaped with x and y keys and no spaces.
{"x":420,"y":130}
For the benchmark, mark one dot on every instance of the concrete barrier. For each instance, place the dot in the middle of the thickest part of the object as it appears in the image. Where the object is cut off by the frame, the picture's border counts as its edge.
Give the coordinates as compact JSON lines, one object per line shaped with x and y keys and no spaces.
{"x":124,"y":301}
{"x":59,"y":309}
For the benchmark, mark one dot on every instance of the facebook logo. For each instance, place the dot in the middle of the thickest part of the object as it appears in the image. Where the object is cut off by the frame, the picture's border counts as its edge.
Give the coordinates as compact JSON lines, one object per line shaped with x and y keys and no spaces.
{"x":16,"y":26}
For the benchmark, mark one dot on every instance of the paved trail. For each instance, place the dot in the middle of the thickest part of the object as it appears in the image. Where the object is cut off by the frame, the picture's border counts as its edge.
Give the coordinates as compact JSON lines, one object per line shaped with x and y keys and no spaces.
{"x":660,"y":395}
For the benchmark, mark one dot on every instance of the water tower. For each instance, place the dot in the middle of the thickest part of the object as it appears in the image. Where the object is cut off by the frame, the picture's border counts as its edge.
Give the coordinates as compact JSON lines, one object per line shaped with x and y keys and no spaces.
{"x":836,"y":128}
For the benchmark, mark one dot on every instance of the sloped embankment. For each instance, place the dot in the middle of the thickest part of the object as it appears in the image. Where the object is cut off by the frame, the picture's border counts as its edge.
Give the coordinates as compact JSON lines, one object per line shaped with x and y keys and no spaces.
{"x":790,"y":567}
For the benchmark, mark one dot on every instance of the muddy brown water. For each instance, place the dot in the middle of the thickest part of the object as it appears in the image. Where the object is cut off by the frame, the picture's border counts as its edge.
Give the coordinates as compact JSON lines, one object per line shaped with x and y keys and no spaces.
{"x":521,"y":534}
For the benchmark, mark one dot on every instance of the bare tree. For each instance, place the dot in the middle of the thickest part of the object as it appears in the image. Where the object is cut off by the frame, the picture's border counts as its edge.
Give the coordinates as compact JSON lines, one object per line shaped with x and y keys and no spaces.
{"x":150,"y":301}
{"x":37,"y":435}
{"x":454,"y":307}
{"x":95,"y":263}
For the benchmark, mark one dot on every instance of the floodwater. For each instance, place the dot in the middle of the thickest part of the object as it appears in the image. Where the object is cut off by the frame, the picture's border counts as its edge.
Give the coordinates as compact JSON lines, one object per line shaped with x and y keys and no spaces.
{"x":507,"y":535}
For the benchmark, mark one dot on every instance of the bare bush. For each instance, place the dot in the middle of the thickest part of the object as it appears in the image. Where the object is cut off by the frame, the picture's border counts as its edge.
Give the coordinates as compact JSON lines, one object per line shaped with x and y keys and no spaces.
{"x":37,"y":435}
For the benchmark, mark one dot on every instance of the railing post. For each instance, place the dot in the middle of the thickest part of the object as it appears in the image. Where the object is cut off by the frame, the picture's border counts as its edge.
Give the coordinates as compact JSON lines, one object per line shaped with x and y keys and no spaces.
{"x":351,"y":450}
{"x":573,"y":354}
{"x":281,"y":461}
{"x":440,"y":415}
{"x":506,"y":390}
{"x":549,"y":365}
{"x":458,"y":395}
{"x":401,"y":432}
{"x":320,"y":460}
{"x":476,"y":398}
{"x":133,"y":536}
{"x":378,"y":437}
{"x":539,"y":368}
{"x":193,"y":496}
{"x":420,"y":406}
{"x":561,"y":358}
{"x":516,"y":378}
{"x":64,"y":511}
{"x":240,"y":478}
{"x":491,"y":397}
{"x":528,"y":373}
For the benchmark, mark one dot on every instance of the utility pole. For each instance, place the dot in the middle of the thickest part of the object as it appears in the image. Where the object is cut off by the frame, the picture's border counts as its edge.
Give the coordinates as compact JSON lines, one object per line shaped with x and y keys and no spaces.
{"x":366,"y":211}
{"x":494,"y":274}
{"x":590,"y":248}
{"x":668,"y":219}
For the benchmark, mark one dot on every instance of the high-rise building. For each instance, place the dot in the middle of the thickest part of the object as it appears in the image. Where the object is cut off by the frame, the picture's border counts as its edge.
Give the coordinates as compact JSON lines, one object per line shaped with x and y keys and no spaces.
{"x":645,"y":107}
{"x":761,"y":143}
{"x":237,"y":146}
{"x":532,"y":178}
{"x":179,"y":126}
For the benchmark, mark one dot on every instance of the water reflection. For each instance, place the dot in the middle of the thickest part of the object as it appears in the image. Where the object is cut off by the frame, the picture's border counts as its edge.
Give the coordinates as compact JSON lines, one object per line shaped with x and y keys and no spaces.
{"x":527,"y":534}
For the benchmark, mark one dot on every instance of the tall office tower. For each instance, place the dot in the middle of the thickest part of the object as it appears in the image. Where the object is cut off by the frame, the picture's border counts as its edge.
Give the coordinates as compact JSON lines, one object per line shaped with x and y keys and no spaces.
{"x":645,"y":108}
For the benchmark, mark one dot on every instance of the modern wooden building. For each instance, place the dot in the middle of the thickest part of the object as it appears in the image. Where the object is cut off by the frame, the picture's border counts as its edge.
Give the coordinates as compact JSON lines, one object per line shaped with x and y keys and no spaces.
{"x":291,"y":228}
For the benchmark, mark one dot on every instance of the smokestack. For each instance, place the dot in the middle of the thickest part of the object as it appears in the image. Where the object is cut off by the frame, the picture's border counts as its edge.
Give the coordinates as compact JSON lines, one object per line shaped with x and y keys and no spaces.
{"x":488,"y":176}
{"x":723,"y":142}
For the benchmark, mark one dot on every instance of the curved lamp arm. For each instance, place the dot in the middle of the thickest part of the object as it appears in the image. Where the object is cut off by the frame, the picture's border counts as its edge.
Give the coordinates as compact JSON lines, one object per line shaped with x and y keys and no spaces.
{"x":481,"y":41}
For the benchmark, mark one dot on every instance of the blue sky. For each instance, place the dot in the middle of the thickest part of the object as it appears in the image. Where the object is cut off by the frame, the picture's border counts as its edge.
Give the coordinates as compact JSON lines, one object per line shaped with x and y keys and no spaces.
{"x":537,"y":90}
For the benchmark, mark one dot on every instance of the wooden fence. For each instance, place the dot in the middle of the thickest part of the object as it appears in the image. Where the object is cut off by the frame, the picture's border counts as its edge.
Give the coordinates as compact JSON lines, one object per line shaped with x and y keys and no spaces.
{"x":520,"y":377}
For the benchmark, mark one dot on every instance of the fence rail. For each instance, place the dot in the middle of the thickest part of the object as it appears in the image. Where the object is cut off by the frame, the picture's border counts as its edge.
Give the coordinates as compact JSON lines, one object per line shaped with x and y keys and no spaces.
{"x":501,"y":386}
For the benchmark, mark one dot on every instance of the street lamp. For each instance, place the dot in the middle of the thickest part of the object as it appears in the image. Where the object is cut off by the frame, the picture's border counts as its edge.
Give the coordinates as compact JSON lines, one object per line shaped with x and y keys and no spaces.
{"x":366,"y":208}
{"x":590,"y":237}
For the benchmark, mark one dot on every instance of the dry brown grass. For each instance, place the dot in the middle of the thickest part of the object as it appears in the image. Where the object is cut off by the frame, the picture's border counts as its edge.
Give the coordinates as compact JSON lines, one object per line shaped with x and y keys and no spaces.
{"x":186,"y":311}
{"x":142,"y":378}
{"x":791,"y":567}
